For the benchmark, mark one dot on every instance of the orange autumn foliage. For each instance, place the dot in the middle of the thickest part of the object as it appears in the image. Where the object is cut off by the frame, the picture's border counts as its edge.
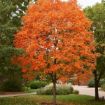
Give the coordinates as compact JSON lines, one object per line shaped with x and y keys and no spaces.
{"x":82,"y":78}
{"x":56,"y":38}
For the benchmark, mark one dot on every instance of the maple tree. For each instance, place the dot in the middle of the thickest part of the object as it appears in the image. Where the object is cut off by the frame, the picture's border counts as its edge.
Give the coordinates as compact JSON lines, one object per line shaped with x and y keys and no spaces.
{"x":57,"y":42}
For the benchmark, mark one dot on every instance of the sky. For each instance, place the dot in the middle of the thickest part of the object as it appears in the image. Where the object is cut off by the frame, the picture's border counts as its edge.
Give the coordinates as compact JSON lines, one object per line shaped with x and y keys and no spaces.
{"x":85,"y":3}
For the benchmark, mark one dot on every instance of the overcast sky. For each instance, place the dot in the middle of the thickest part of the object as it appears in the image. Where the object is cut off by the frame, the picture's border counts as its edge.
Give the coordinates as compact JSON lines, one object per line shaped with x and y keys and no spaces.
{"x":85,"y":3}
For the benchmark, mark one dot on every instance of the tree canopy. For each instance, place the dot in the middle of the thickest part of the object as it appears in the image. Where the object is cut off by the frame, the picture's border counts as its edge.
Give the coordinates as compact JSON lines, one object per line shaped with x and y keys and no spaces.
{"x":56,"y":39}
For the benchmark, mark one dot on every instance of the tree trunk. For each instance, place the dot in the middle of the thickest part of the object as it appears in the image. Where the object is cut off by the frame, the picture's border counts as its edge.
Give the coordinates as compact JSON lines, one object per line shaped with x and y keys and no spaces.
{"x":96,"y":86}
{"x":54,"y":89}
{"x":54,"y":93}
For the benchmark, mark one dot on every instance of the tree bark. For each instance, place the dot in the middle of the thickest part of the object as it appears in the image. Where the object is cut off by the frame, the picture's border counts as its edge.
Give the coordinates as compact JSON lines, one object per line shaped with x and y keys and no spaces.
{"x":54,"y":89}
{"x":96,"y":86}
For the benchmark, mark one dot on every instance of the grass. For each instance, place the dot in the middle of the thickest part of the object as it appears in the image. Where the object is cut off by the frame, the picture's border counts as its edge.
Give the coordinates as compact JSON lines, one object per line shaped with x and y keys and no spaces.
{"x":37,"y":99}
{"x":80,"y":100}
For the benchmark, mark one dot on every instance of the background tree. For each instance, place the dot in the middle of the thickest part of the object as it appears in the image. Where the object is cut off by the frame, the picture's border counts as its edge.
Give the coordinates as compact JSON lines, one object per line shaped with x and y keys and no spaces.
{"x":10,"y":20}
{"x":56,"y":40}
{"x":97,"y":15}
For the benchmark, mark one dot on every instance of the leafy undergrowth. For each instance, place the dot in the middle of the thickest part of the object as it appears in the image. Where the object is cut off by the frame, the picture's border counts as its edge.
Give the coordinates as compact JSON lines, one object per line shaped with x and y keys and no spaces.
{"x":46,"y":100}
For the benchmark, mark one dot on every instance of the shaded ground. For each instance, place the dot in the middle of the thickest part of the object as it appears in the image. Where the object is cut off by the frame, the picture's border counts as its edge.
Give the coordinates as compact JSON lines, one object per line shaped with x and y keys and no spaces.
{"x":47,"y":100}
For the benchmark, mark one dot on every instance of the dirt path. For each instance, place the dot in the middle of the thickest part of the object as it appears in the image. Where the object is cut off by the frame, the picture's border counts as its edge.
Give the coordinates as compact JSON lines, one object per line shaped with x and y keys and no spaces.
{"x":16,"y":94}
{"x":84,"y":90}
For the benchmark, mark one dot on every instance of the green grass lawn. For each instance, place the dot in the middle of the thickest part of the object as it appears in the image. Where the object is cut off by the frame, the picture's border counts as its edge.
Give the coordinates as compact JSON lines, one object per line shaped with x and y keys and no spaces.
{"x":37,"y":99}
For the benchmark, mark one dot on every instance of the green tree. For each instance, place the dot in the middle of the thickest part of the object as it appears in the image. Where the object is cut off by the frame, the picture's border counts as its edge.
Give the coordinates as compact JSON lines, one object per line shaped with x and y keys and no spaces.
{"x":10,"y":21}
{"x":97,"y":14}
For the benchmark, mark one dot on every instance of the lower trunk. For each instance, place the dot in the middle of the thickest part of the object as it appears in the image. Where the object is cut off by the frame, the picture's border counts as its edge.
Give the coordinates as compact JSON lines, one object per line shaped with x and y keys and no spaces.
{"x":96,"y":92}
{"x":54,"y":93}
{"x":96,"y":86}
